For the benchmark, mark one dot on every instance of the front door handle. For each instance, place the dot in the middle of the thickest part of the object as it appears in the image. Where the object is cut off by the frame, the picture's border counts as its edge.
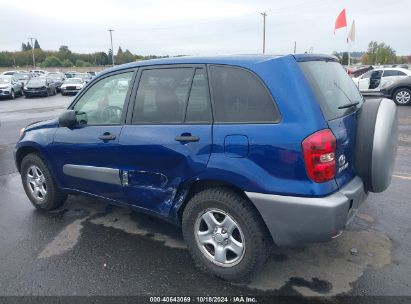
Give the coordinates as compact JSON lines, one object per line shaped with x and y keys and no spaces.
{"x":107,"y":136}
{"x":188,"y":138}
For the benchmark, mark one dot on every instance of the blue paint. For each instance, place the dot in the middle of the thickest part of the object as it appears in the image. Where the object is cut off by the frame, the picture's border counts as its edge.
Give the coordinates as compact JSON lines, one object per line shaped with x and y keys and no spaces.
{"x":265,"y":158}
{"x":236,"y":146}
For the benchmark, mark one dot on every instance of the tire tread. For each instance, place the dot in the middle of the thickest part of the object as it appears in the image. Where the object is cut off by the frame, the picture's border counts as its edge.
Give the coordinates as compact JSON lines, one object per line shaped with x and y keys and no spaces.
{"x":253,"y":223}
{"x":56,"y":197}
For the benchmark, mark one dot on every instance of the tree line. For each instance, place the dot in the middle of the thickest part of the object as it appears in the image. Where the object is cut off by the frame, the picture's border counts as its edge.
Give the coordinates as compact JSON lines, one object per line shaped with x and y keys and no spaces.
{"x":376,"y":54}
{"x":381,"y":53}
{"x":64,"y":57}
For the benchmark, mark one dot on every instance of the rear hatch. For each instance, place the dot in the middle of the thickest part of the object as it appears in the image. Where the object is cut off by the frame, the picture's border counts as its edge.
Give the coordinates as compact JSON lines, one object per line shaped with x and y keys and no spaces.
{"x":339,"y":100}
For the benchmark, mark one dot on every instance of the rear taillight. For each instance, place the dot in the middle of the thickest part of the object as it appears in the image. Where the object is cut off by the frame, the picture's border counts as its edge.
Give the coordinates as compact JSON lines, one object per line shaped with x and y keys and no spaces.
{"x":319,"y":155}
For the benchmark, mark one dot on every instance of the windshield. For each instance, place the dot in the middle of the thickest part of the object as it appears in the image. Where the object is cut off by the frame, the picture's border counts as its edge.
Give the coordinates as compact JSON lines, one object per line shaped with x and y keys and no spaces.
{"x":54,"y":76}
{"x":35,"y":81}
{"x":4,"y":80}
{"x":73,"y":80}
{"x":22,"y":76}
{"x":333,"y":87}
{"x":84,"y":76}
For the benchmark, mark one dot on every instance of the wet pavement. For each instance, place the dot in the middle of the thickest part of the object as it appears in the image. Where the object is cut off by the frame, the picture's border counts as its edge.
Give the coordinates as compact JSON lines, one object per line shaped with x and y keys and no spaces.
{"x":91,"y":248}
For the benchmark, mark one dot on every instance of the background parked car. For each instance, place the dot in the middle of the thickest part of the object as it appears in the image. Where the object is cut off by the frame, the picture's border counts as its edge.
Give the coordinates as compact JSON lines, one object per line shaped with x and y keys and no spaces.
{"x":72,"y":86}
{"x":10,"y":87}
{"x":9,"y":73}
{"x":356,"y":72}
{"x":40,"y":86}
{"x":38,"y":73}
{"x":372,"y":81}
{"x":85,"y":76}
{"x":57,"y":78}
{"x":399,"y":91}
{"x":70,"y":74}
{"x":23,"y":78}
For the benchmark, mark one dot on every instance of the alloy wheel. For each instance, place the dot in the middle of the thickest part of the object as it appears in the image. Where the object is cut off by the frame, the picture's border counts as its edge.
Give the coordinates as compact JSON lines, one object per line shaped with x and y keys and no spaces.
{"x":219,"y":238}
{"x":36,"y":183}
{"x":403,"y":97}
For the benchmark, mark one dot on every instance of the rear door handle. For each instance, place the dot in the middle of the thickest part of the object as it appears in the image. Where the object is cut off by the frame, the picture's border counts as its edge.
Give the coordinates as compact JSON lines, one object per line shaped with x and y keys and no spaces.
{"x":189,"y":138}
{"x":107,"y":136}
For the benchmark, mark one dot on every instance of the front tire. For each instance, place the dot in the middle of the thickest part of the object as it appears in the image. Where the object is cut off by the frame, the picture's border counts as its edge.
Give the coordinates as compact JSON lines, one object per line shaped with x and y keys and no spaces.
{"x":402,"y":96}
{"x":225,"y":234}
{"x":39,"y":185}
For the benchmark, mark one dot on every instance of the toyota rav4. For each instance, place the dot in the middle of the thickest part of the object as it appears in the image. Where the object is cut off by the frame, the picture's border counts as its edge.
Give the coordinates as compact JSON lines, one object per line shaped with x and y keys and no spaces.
{"x":244,"y":152}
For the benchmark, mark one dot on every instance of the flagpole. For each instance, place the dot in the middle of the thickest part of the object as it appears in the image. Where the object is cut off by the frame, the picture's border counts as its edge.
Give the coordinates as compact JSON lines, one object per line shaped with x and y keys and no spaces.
{"x":348,"y":46}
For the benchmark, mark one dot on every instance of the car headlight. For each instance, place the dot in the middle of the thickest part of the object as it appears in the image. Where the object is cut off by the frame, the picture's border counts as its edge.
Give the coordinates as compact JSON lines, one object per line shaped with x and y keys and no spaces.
{"x":21,"y":132}
{"x":387,"y":84}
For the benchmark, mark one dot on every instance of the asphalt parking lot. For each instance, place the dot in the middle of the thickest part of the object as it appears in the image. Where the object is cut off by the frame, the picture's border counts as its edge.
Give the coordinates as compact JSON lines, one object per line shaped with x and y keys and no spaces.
{"x":91,"y":248}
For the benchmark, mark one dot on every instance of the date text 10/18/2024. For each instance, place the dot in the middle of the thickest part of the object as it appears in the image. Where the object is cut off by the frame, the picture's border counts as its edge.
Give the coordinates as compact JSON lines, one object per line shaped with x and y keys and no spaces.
{"x":206,"y":299}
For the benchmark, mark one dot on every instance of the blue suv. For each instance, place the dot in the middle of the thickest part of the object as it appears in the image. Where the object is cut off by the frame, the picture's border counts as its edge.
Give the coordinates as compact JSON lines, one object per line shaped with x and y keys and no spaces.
{"x":244,"y":152}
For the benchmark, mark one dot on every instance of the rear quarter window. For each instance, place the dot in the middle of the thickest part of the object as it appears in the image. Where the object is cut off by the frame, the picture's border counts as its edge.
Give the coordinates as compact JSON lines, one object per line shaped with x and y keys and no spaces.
{"x":240,"y":97}
{"x":332,"y":86}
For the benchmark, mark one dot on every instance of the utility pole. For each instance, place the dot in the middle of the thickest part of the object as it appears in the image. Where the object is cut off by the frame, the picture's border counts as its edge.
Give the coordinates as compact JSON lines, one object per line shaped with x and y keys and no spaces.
{"x":112,"y":50}
{"x":295,"y":47}
{"x":32,"y":51}
{"x":264,"y":14}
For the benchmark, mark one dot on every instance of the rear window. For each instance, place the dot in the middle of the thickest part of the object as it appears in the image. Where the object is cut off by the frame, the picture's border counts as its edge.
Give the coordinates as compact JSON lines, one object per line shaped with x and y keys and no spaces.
{"x":240,"y":97}
{"x":332,"y":87}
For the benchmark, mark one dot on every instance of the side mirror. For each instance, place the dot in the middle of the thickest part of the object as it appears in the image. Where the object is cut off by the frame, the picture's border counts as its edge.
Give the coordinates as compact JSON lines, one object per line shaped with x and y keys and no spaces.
{"x":67,"y":119}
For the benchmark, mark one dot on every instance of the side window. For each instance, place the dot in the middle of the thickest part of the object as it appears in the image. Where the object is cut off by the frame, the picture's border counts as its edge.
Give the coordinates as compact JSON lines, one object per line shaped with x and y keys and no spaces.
{"x":388,"y":73}
{"x":162,"y":96}
{"x":103,"y":103}
{"x":198,"y":107}
{"x":240,"y":97}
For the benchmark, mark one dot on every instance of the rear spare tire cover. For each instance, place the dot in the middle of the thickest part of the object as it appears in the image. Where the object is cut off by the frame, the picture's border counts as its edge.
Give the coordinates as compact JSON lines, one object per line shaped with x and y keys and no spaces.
{"x":376,"y":143}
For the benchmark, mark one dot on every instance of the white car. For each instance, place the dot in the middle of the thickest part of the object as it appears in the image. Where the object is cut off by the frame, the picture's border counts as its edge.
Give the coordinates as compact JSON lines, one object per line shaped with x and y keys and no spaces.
{"x":122,"y":85}
{"x":10,"y":73}
{"x":372,"y":81}
{"x":72,"y":86}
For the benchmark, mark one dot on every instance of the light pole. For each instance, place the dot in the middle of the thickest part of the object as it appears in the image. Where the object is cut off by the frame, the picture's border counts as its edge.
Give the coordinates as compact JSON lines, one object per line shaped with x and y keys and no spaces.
{"x":32,"y":51}
{"x":112,"y":50}
{"x":264,"y":14}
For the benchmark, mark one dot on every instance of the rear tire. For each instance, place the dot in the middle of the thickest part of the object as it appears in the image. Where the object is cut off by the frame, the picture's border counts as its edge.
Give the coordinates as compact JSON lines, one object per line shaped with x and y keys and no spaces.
{"x":402,"y":96}
{"x":210,"y":242}
{"x":39,"y":185}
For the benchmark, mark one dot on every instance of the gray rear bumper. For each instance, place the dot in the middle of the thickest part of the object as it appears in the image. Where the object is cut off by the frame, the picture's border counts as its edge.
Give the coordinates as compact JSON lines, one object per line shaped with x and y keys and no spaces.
{"x":294,"y":221}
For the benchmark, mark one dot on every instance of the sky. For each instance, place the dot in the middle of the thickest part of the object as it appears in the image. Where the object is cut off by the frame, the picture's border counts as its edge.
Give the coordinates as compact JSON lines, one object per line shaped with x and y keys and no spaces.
{"x":200,"y":27}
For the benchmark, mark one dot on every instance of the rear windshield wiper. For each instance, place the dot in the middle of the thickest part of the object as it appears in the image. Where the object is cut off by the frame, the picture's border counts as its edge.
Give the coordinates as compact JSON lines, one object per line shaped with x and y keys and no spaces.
{"x":348,"y":105}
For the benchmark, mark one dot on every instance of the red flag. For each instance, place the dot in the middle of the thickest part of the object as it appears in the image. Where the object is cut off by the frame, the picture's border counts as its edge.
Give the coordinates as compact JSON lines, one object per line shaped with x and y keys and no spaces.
{"x":341,"y":21}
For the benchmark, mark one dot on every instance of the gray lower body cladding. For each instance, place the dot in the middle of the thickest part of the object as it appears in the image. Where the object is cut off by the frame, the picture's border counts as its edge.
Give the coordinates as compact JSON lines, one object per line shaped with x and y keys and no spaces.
{"x":294,"y":221}
{"x":97,"y":174}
